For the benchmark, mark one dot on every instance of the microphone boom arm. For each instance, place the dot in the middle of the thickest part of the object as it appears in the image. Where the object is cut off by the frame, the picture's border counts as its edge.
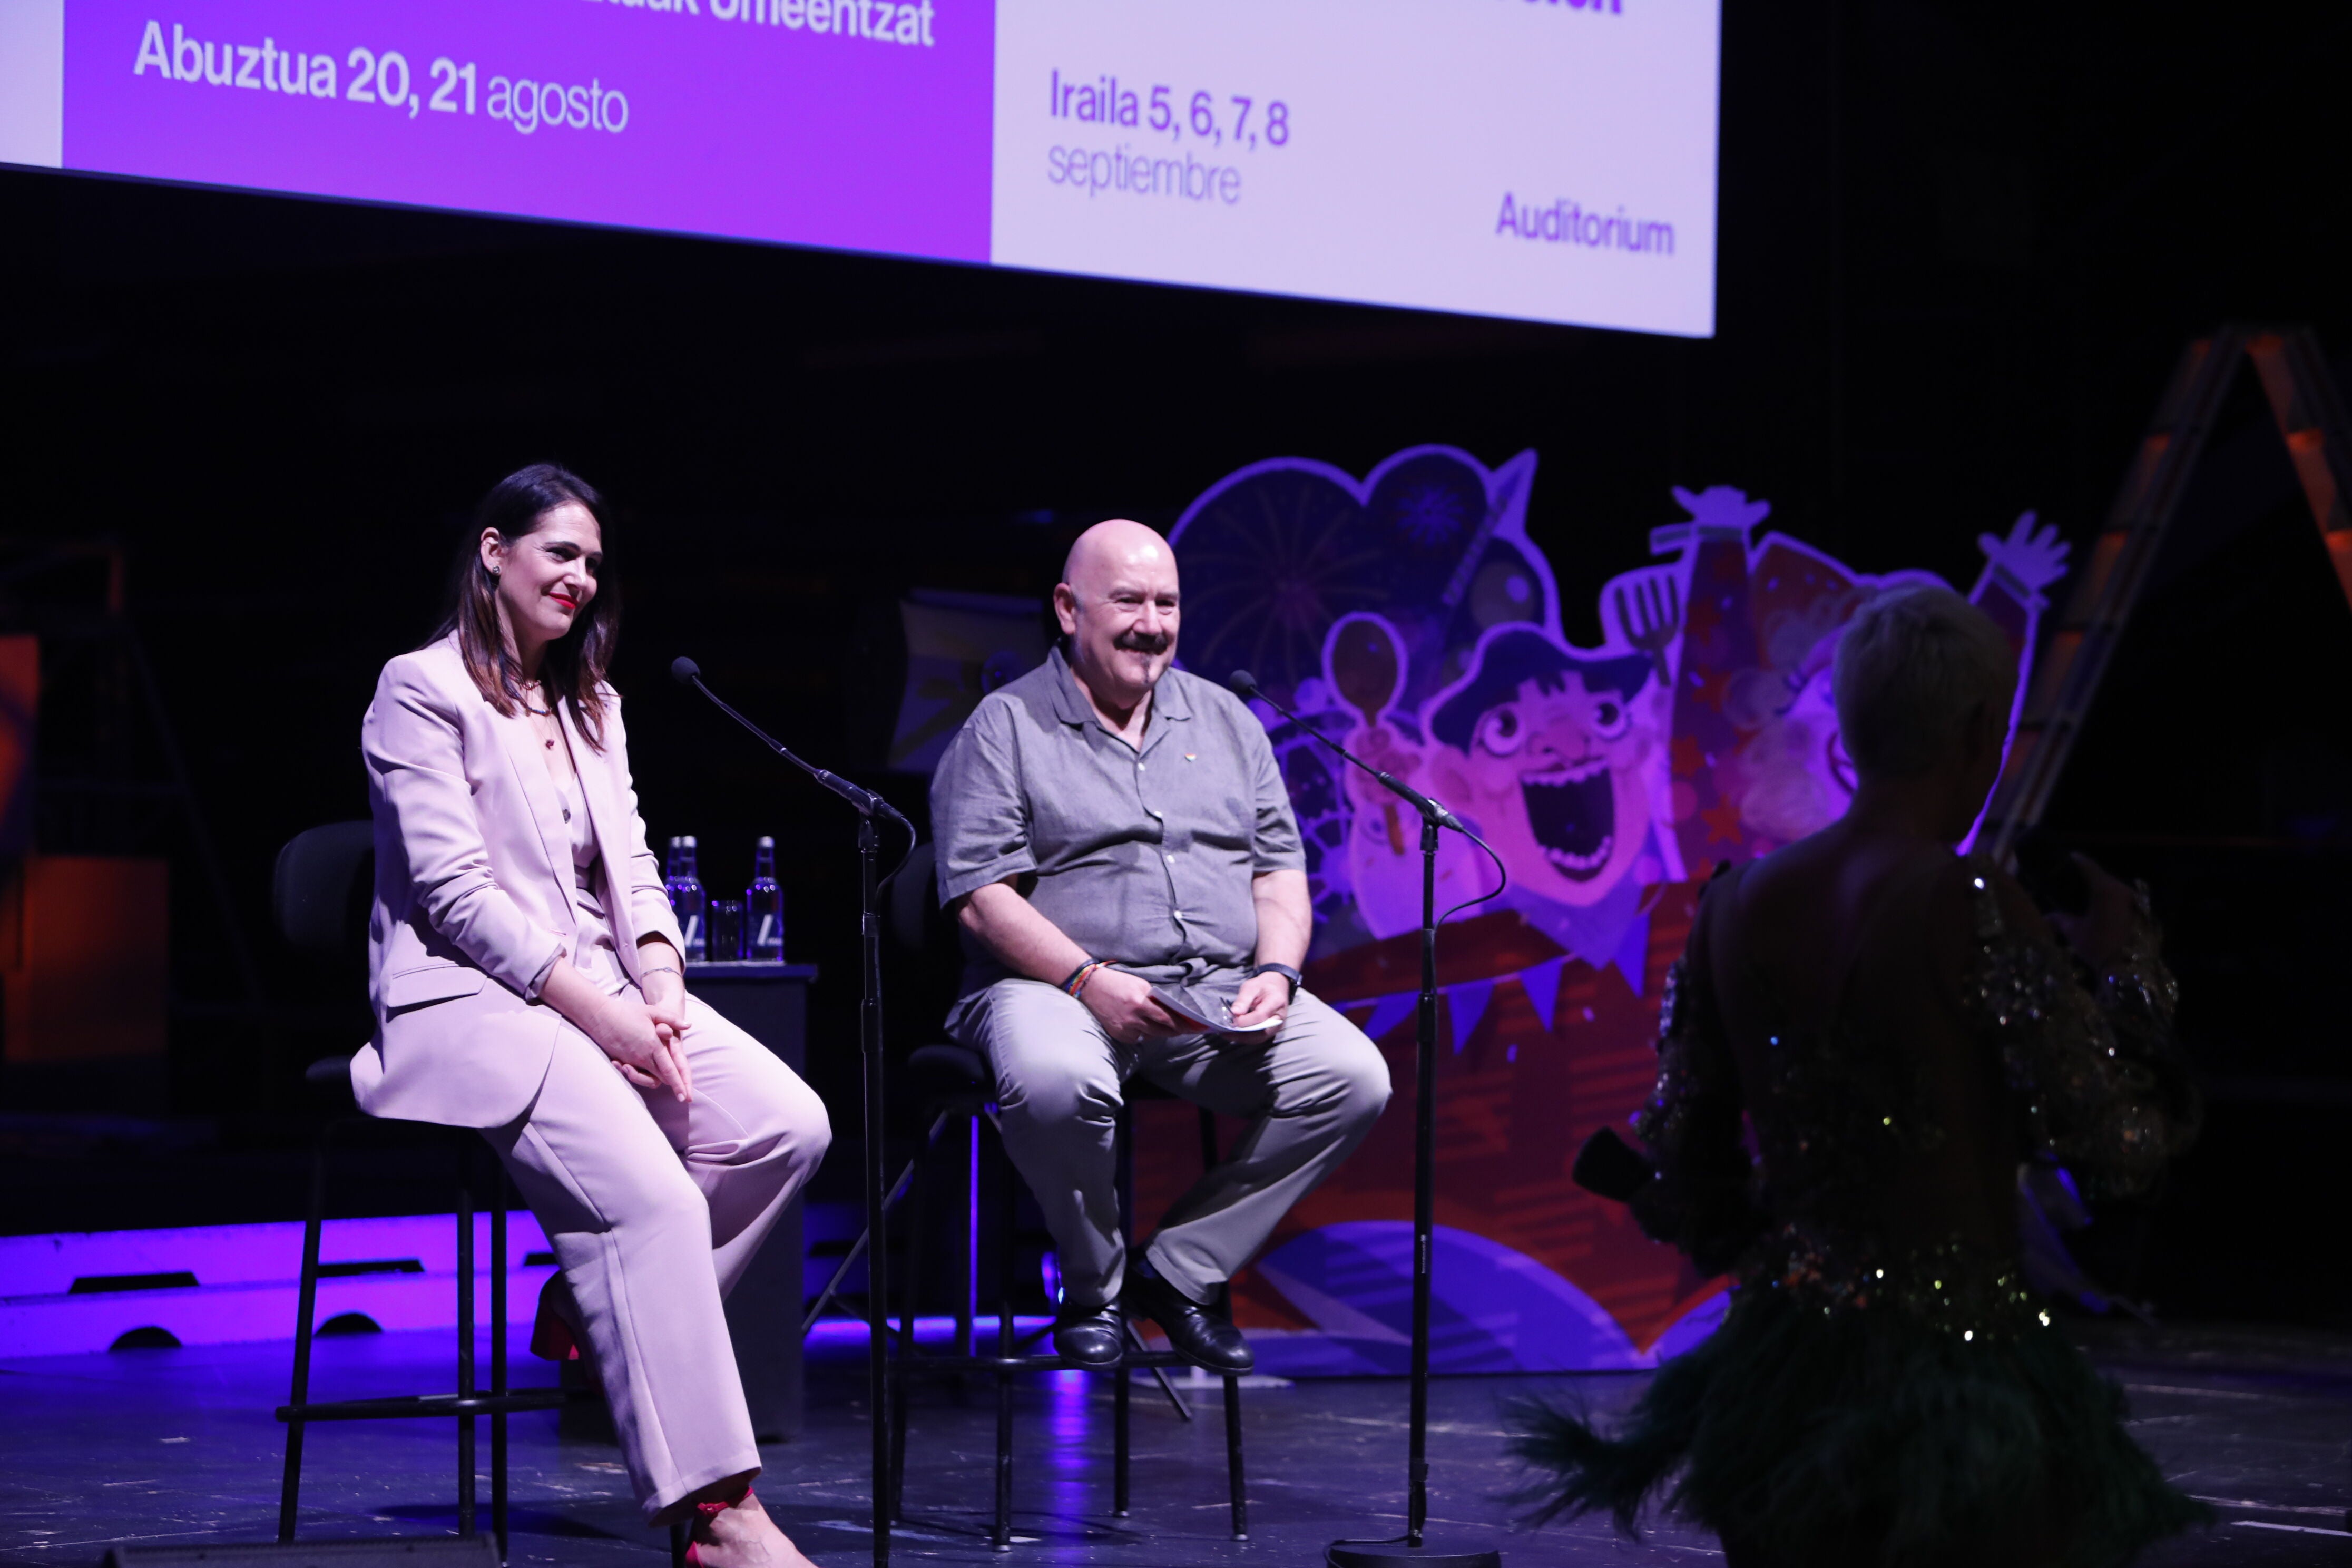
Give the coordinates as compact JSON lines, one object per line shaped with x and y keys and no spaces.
{"x":863,"y":800}
{"x":1246,"y":685}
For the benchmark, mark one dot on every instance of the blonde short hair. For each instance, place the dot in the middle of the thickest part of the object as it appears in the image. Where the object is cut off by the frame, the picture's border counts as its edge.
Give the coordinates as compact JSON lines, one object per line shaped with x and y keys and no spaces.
{"x":1914,"y":666}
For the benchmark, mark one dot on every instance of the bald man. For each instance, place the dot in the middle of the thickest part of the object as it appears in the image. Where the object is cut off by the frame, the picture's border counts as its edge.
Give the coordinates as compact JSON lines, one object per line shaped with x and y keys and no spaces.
{"x":1107,"y":824}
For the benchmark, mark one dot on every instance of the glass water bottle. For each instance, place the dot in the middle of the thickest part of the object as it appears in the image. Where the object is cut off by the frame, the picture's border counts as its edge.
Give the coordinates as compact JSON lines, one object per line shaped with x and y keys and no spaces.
{"x":764,"y":906}
{"x":684,"y":885}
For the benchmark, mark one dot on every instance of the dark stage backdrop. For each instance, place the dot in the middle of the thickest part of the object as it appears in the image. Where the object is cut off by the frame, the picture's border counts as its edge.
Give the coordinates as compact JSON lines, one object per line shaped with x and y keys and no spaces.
{"x":1960,"y":250}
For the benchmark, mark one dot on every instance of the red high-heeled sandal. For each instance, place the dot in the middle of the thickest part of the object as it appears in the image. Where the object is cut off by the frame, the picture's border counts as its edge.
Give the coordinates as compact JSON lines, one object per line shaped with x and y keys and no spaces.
{"x":709,"y":1512}
{"x":552,"y":1338}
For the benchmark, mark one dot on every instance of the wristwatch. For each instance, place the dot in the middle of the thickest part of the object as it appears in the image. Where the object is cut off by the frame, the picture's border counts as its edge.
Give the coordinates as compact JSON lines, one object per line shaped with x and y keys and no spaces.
{"x":1282,"y":969}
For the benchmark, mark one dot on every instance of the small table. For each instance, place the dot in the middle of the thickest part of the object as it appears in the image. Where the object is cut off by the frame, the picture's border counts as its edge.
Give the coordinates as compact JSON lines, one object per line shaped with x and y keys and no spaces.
{"x":769,"y":1001}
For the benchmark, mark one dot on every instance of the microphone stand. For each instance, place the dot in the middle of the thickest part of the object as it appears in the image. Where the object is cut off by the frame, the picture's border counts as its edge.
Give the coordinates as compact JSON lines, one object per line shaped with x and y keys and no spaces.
{"x":868,"y":805}
{"x":1412,"y":1549}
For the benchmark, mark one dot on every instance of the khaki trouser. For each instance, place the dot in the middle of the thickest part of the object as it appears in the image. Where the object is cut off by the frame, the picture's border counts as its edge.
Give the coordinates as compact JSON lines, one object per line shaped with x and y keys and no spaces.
{"x":1310,"y":1095}
{"x":654,"y":1209}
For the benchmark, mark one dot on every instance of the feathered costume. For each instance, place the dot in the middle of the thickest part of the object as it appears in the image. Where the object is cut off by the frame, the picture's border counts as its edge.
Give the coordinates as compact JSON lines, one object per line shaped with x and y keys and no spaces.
{"x":1877,"y":1394}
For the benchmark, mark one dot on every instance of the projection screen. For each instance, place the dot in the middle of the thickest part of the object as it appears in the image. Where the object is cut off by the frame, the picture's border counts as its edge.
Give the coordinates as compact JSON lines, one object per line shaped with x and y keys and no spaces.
{"x":1549,"y":160}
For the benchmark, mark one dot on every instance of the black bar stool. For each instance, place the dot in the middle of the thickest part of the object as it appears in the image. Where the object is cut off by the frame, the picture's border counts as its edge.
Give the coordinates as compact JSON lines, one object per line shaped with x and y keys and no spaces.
{"x":321,"y":894}
{"x":961,"y":1090}
{"x":968,"y":1091}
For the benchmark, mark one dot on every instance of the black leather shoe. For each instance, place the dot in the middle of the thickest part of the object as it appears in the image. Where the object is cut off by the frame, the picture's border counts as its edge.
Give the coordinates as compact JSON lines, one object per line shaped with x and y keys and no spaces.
{"x":1094,"y":1337}
{"x":1202,"y":1335}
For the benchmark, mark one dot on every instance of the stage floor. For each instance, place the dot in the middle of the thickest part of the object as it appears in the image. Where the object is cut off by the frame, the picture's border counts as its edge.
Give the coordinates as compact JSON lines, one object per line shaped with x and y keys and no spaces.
{"x":178,"y":1446}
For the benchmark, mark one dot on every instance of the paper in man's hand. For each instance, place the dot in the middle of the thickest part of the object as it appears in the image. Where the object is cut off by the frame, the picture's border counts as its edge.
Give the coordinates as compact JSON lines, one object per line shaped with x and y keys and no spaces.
{"x":1208,"y":1009}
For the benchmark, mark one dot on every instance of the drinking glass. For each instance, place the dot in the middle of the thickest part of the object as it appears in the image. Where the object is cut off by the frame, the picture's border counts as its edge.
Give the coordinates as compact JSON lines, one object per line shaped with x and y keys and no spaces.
{"x":727,"y":930}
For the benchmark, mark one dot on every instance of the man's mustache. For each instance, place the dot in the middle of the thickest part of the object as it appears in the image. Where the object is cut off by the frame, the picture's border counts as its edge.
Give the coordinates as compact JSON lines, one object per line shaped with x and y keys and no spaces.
{"x":1153,"y":643}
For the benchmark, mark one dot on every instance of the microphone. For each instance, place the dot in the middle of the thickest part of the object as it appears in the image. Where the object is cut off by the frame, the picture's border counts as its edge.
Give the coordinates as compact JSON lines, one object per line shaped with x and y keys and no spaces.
{"x":685,"y":672}
{"x":1245,"y":684}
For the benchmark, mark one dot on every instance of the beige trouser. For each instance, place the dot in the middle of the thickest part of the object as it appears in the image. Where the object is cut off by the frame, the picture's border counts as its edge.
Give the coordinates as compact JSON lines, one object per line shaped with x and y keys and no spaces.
{"x":1310,"y":1094}
{"x":654,"y":1209}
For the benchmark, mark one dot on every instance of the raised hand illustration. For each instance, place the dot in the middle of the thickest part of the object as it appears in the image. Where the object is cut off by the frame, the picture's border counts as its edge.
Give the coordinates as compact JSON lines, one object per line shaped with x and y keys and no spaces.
{"x":2036,"y":557}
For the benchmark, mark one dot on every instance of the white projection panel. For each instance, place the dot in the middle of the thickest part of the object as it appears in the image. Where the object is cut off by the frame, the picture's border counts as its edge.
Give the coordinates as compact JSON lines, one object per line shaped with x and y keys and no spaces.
{"x":1553,"y":160}
{"x":32,"y":81}
{"x":1526,"y":158}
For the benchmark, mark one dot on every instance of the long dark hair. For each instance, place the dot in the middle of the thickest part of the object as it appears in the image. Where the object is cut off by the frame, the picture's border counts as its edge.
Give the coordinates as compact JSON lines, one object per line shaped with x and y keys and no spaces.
{"x":573,"y":669}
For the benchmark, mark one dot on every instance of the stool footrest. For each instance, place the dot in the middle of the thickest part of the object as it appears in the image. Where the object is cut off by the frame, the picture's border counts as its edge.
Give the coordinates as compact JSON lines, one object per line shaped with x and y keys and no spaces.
{"x":924,"y":1365}
{"x":420,"y":1404}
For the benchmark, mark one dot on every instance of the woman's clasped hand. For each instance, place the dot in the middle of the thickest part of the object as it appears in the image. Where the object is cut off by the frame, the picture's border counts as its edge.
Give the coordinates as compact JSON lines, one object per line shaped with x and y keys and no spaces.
{"x":643,"y":1036}
{"x":643,"y":1039}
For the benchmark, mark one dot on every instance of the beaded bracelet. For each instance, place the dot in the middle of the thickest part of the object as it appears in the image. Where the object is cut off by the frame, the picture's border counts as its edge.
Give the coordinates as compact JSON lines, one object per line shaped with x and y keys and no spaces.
{"x":1080,"y":975}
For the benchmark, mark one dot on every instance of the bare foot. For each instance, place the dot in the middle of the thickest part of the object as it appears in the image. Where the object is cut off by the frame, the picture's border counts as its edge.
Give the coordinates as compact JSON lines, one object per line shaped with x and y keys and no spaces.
{"x":745,"y":1537}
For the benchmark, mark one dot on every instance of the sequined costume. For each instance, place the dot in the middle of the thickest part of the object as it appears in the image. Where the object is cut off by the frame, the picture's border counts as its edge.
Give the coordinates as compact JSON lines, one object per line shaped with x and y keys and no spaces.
{"x":1884,"y":1388}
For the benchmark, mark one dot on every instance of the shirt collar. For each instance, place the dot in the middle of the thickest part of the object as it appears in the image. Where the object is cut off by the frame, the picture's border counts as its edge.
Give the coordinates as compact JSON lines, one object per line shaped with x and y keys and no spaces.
{"x":1168,"y":699}
{"x":1071,"y":707}
{"x":1070,"y":704}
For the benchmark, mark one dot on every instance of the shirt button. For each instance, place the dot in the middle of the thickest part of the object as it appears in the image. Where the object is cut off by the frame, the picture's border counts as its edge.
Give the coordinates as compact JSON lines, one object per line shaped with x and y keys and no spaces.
{"x":1140,"y":766}
{"x":1171,"y":859}
{"x":1180,"y":914}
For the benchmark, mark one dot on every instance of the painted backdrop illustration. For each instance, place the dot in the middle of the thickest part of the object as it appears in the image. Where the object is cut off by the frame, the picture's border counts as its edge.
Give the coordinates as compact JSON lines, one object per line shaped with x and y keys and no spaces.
{"x":1407,"y":616}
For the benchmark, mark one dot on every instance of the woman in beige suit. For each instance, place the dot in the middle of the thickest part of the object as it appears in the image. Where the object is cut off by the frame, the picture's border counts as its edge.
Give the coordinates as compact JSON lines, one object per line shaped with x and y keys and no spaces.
{"x":527,"y":979}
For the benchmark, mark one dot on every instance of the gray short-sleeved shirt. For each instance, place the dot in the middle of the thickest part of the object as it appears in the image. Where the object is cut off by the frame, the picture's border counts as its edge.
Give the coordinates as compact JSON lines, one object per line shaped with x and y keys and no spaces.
{"x":1142,"y":857}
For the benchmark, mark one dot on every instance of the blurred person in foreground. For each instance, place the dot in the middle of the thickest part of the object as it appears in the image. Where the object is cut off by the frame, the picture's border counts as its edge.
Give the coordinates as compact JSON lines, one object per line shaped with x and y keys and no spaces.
{"x":1902,"y":1034}
{"x":526,"y":972}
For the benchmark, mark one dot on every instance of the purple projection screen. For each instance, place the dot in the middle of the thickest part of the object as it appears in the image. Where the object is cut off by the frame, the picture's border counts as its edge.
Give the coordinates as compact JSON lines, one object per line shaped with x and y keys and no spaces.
{"x":1553,"y":160}
{"x":552,"y":108}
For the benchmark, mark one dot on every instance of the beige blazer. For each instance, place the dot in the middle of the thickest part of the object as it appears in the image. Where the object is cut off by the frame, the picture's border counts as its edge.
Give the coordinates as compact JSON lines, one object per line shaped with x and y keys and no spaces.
{"x":474,"y":890}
